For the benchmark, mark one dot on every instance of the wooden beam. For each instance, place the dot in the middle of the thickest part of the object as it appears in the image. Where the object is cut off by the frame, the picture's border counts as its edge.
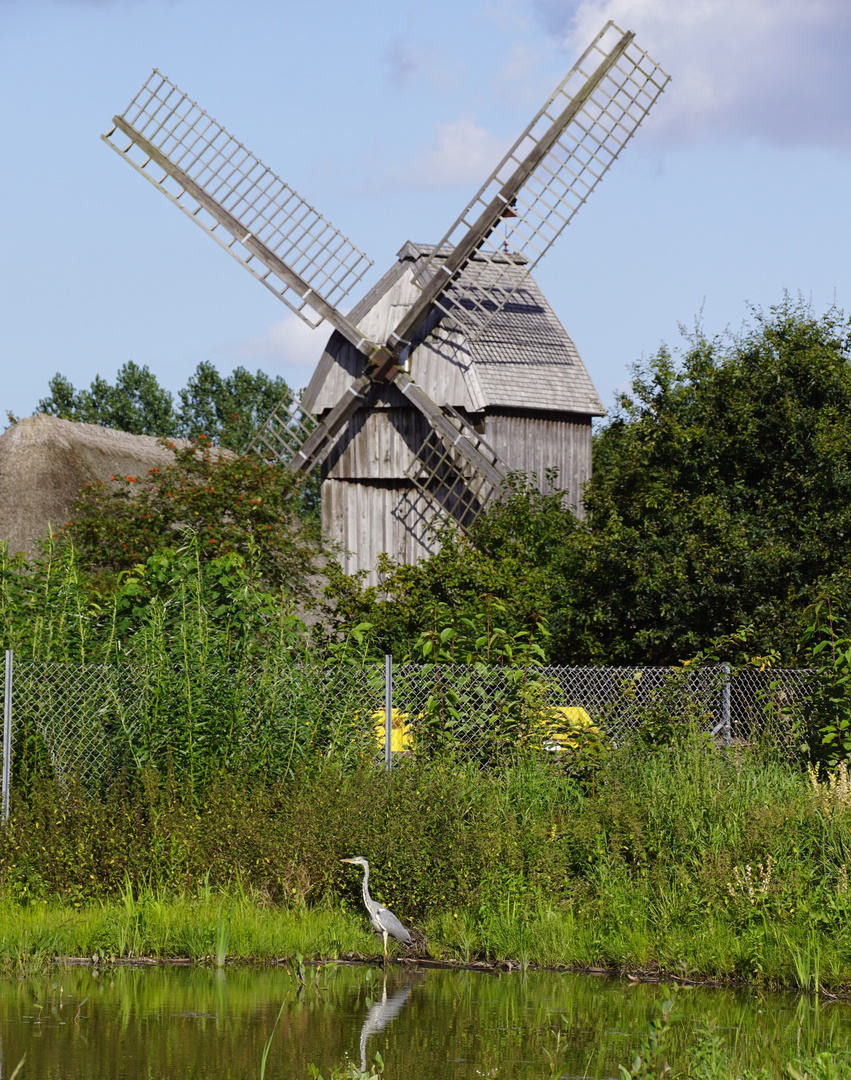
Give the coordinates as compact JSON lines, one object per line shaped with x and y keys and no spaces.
{"x":250,"y":242}
{"x":493,"y":213}
{"x":357,"y":394}
{"x":493,"y":471}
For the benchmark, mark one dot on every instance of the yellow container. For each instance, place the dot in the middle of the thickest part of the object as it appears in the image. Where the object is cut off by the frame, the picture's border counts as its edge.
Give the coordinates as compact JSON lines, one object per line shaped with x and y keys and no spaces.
{"x":401,"y":736}
{"x":567,"y":725}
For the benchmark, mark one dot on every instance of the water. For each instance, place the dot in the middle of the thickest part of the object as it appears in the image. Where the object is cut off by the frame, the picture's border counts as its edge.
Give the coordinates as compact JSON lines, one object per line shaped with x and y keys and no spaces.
{"x":193,"y":1022}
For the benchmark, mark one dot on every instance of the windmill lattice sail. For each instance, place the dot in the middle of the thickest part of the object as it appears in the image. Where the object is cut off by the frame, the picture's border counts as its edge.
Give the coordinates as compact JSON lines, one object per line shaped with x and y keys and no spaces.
{"x":442,"y":472}
{"x":235,"y":198}
{"x":283,"y":432}
{"x":575,"y":137}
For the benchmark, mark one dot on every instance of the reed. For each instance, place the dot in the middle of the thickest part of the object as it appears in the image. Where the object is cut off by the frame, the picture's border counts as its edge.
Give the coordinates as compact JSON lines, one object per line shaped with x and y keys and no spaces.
{"x":692,"y":861}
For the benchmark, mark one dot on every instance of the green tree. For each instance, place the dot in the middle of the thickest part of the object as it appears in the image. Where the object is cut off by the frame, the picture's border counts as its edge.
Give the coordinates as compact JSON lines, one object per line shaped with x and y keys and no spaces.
{"x":227,"y":409}
{"x":232,"y":504}
{"x":136,"y":403}
{"x":720,"y":498}
{"x":720,"y":495}
{"x":503,"y":579}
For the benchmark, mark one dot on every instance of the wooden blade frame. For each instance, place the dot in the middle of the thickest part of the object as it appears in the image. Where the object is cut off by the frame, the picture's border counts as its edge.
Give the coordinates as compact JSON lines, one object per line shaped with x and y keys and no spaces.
{"x":284,"y":432}
{"x":256,"y":217}
{"x":545,"y":178}
{"x":443,"y":472}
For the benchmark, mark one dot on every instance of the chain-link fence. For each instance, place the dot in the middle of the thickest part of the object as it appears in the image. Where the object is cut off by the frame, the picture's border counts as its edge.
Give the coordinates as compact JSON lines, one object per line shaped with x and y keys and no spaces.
{"x":87,"y":722}
{"x":487,"y":712}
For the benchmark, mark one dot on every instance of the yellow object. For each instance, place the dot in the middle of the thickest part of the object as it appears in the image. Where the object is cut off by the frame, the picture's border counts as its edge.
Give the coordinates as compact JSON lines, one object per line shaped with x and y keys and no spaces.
{"x":401,"y":736}
{"x":566,"y":726}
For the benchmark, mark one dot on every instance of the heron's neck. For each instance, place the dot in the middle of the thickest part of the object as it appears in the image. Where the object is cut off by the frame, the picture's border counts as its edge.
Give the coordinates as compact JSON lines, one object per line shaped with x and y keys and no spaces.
{"x":365,"y":888}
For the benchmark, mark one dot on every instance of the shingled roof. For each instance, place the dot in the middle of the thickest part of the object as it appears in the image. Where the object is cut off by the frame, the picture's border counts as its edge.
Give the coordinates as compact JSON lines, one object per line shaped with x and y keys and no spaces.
{"x":525,"y":359}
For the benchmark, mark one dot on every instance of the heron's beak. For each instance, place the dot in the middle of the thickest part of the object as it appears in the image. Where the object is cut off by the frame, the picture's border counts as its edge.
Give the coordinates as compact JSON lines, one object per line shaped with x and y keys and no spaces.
{"x":347,"y":860}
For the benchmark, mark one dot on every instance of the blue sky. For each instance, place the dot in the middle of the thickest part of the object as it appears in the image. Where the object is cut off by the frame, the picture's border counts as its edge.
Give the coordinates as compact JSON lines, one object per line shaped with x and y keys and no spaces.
{"x":386,"y":117}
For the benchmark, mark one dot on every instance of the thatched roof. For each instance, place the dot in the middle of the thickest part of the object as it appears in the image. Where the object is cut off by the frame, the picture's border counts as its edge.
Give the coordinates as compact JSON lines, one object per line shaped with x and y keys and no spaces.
{"x":45,"y":463}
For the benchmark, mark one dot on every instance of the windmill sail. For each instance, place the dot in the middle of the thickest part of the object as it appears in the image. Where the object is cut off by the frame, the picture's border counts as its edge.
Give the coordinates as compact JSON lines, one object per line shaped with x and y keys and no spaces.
{"x":444,"y":474}
{"x":544,"y":179}
{"x":243,"y":205}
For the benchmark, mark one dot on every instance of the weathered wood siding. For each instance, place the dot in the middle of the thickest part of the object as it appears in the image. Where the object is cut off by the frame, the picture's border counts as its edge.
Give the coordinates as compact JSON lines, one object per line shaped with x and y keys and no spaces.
{"x":379,"y":444}
{"x":368,"y":507}
{"x":534,"y":444}
{"x":368,"y":519}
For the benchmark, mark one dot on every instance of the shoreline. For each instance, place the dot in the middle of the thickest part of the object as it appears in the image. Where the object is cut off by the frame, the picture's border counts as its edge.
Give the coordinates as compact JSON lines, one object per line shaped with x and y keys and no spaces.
{"x":489,"y":967}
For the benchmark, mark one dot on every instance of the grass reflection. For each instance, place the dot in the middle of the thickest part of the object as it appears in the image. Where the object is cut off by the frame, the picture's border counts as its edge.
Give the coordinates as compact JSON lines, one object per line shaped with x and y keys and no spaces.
{"x":204,"y":1022}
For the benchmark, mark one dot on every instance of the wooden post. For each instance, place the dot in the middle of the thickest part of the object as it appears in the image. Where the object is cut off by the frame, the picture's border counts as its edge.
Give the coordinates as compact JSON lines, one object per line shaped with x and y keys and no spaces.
{"x":7,"y":737}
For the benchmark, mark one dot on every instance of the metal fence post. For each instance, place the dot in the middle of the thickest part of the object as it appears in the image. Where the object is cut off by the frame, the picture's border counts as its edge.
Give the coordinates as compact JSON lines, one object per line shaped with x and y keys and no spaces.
{"x":725,"y":706}
{"x":388,"y":712}
{"x":7,"y":736}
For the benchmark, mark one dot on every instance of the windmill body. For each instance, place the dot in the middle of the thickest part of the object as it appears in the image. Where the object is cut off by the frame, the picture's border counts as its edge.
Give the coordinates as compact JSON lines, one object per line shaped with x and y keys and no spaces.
{"x":453,"y":370}
{"x":521,"y":384}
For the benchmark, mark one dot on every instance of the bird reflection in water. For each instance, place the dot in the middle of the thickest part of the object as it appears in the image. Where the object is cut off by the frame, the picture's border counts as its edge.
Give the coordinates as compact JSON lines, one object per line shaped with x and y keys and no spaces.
{"x":380,"y":1013}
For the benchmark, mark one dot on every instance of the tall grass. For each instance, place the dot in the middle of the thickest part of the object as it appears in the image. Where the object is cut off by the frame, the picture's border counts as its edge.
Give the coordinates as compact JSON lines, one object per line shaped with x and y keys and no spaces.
{"x":698,"y":862}
{"x":189,"y":665}
{"x":172,"y":927}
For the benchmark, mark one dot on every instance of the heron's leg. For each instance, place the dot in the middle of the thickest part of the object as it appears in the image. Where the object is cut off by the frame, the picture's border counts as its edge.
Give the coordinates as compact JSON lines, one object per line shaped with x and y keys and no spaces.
{"x":384,"y":935}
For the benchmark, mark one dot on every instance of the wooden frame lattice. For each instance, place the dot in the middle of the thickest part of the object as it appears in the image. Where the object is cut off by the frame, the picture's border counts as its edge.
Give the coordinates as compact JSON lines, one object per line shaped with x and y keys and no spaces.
{"x":604,"y":98}
{"x":193,"y":160}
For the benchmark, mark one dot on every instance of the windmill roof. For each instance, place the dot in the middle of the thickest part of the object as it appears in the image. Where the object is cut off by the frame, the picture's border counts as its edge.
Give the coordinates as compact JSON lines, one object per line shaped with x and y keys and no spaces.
{"x":524,"y":359}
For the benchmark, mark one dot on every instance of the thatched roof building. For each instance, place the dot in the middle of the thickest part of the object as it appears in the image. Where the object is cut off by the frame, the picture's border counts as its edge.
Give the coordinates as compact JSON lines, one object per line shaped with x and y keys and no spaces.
{"x":46,"y":462}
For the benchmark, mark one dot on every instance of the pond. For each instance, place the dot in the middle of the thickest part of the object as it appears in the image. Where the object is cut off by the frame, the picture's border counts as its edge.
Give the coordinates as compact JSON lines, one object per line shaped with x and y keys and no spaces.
{"x":180,"y":1022}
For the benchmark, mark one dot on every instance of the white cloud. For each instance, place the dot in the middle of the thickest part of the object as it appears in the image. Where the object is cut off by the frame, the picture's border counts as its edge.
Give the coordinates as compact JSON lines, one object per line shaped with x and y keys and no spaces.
{"x":461,"y":153}
{"x":288,"y":343}
{"x":770,"y":69}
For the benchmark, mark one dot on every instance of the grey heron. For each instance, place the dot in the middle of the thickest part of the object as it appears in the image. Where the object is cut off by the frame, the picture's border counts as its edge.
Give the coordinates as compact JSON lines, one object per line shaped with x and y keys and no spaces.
{"x":384,"y":921}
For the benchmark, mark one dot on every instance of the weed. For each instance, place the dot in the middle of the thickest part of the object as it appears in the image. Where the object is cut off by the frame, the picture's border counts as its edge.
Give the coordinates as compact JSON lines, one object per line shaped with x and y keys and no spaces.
{"x":833,"y":796}
{"x":268,"y":1045}
{"x":350,"y":1071}
{"x":222,"y":935}
{"x":806,"y":958}
{"x":747,"y":887}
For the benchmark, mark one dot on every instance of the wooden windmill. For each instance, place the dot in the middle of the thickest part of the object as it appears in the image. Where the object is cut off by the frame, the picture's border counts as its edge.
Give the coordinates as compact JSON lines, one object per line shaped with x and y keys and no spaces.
{"x":453,"y":370}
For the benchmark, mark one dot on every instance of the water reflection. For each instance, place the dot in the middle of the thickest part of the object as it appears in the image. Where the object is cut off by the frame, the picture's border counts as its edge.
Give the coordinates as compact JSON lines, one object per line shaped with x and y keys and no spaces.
{"x":448,"y":1025}
{"x":381,"y":1013}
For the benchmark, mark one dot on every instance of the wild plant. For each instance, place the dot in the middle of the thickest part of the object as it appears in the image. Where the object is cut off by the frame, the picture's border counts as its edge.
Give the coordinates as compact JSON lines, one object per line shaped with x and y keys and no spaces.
{"x":748,"y":886}
{"x":649,"y":1060}
{"x":268,"y":1044}
{"x":826,"y":647}
{"x":807,"y":963}
{"x":222,"y":935}
{"x":350,"y":1071}
{"x":833,"y":795}
{"x":554,"y":1056}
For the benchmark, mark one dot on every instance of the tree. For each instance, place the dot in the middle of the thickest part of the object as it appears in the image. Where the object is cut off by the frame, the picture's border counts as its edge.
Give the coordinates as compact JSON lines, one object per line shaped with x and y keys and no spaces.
{"x":136,"y":403}
{"x":720,"y":494}
{"x":232,"y":504}
{"x":227,"y":409}
{"x":502,"y":579}
{"x":720,"y":498}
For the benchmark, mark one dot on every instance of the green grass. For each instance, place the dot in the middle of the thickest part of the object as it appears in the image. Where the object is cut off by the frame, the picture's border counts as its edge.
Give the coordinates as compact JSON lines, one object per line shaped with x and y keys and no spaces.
{"x":172,"y":928}
{"x":688,"y":860}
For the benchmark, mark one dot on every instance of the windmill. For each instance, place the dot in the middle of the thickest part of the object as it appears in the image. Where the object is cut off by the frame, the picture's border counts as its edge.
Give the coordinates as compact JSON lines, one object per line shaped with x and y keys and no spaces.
{"x":423,"y":323}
